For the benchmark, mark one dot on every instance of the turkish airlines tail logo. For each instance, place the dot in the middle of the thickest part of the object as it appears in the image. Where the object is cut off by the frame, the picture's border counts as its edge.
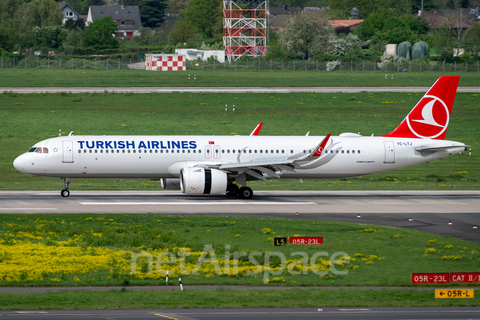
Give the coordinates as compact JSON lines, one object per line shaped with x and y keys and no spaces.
{"x":430,"y":117}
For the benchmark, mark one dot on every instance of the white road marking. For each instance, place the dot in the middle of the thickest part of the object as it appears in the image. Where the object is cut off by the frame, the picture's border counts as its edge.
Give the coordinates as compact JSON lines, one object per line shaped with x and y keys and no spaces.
{"x":354,"y":309}
{"x":196,"y":203}
{"x":6,"y":209}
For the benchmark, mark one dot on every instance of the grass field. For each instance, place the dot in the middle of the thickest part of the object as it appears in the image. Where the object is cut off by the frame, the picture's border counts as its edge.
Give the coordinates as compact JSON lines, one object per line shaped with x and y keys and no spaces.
{"x":80,"y":250}
{"x":220,"y":78}
{"x":28,"y":118}
{"x":86,"y":250}
{"x":227,"y":298}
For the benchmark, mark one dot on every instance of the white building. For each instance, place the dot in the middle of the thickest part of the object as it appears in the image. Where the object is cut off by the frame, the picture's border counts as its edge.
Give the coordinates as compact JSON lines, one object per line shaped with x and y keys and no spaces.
{"x":194,"y":54}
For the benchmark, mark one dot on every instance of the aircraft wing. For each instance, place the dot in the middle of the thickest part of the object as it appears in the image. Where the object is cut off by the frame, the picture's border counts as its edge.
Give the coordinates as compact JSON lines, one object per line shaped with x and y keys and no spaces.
{"x":274,"y":166}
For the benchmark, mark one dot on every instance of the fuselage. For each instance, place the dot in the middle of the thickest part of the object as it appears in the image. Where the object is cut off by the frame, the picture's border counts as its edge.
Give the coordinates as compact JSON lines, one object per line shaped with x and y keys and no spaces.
{"x":347,"y":155}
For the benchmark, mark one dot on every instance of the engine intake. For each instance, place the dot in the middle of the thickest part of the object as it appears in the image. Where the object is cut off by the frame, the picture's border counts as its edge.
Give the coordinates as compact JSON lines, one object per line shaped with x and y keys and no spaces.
{"x":170,"y":184}
{"x":203,"y":181}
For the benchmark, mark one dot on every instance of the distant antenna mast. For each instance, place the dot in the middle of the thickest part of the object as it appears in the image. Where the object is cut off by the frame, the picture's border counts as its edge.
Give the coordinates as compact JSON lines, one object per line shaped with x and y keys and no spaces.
{"x":244,"y":28}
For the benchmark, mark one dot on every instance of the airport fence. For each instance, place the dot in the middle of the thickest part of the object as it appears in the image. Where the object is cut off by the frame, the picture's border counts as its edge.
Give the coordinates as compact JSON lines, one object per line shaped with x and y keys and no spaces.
{"x":244,"y":65}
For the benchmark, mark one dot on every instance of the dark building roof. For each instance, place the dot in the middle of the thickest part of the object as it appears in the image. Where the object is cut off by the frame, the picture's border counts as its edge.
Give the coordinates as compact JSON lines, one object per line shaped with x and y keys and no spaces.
{"x":274,"y":11}
{"x":118,"y":13}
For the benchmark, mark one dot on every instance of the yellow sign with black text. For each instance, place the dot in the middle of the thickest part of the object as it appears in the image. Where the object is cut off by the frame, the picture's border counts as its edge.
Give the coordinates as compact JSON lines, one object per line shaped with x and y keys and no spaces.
{"x":453,"y":293}
{"x":279,"y":241}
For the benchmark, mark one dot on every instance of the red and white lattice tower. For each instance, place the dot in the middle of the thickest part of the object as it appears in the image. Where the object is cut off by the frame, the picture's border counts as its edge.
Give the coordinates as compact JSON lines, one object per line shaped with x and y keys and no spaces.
{"x":244,"y":28}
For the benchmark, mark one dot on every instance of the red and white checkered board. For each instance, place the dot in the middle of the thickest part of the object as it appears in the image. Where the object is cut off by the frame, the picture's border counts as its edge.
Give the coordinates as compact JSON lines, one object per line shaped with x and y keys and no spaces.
{"x":169,"y":63}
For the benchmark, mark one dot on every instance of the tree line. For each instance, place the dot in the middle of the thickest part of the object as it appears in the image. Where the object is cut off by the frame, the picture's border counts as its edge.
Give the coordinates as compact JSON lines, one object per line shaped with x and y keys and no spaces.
{"x":170,"y":24}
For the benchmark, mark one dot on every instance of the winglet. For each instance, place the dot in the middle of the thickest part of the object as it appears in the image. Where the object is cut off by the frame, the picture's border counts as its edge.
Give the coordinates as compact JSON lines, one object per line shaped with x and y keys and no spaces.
{"x":321,"y":146}
{"x":429,"y":118}
{"x":318,"y":150}
{"x":256,"y":131}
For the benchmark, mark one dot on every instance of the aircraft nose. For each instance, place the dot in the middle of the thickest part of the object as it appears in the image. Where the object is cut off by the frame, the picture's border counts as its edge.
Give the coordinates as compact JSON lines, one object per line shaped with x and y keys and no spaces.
{"x":20,"y":163}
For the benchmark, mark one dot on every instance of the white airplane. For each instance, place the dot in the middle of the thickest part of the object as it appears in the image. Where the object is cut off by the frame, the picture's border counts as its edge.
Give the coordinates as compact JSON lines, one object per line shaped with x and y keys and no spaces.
{"x":219,"y":164}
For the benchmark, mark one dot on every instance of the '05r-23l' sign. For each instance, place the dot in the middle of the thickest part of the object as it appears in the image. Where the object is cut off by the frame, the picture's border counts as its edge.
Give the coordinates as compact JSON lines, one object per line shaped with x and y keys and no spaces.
{"x":280,"y":241}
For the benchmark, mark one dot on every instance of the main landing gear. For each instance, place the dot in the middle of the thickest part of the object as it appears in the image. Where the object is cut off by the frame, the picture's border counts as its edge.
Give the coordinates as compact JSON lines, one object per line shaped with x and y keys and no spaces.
{"x":66,"y":184}
{"x":243,"y":192}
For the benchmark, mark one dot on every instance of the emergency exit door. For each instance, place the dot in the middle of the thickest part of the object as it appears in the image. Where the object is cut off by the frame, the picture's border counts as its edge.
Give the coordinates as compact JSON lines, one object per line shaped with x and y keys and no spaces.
{"x":67,"y":155}
{"x":389,"y":152}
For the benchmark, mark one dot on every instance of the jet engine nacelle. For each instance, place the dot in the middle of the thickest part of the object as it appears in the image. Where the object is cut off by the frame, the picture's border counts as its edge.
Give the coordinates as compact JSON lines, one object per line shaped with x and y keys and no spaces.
{"x":170,"y":184}
{"x":203,"y":181}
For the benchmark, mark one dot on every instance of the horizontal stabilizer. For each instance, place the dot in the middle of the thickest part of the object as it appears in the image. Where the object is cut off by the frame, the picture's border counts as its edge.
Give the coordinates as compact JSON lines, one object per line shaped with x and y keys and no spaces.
{"x":436,"y":149}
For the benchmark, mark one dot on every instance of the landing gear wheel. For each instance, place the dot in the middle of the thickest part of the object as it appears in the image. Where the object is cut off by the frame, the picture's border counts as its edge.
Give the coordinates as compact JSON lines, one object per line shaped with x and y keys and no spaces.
{"x":246,"y":193}
{"x":65,"y":193}
{"x":232,"y":190}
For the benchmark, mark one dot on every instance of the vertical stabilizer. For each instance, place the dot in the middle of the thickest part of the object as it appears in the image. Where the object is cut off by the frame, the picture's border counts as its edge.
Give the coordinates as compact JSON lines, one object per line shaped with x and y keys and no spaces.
{"x":430,"y":117}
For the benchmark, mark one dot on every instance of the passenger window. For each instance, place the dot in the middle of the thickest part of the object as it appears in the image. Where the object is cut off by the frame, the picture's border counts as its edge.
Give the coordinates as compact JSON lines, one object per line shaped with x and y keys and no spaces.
{"x":249,"y":151}
{"x":178,"y":151}
{"x":233,"y":151}
{"x":123,"y":151}
{"x":359,"y":151}
{"x":183,"y":151}
{"x":291,"y":151}
{"x":255,"y":151}
{"x":304,"y":151}
{"x":343,"y":151}
{"x":261,"y":151}
{"x":348,"y":151}
{"x":189,"y":151}
{"x":84,"y":151}
{"x":79,"y":151}
{"x":118,"y":151}
{"x":199,"y":151}
{"x":128,"y":151}
{"x":166,"y":151}
{"x":96,"y":151}
{"x":90,"y":151}
{"x":353,"y":151}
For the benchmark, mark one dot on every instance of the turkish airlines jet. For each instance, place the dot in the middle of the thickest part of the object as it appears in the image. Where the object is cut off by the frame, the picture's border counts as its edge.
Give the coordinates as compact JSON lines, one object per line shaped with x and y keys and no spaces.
{"x":219,"y":164}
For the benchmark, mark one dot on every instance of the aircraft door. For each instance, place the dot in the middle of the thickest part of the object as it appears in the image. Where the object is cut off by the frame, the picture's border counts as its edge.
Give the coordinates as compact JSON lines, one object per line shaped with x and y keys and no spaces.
{"x":67,"y":154}
{"x":389,"y":152}
{"x":208,"y":152}
{"x":216,"y":152}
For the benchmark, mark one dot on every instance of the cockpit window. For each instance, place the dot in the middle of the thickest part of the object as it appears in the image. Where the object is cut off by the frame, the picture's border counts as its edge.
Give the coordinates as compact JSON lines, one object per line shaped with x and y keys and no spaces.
{"x":38,"y":150}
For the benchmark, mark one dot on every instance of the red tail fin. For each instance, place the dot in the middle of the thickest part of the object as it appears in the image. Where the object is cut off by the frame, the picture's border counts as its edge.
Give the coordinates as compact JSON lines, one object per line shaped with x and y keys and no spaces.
{"x":429,"y":118}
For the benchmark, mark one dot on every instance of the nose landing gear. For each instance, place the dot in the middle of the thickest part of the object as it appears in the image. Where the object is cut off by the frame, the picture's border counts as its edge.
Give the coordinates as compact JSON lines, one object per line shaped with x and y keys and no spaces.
{"x":66,"y":184}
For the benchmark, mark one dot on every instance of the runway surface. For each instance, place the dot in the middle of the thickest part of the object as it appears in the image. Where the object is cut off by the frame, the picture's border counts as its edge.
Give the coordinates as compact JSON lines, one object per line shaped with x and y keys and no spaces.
{"x":260,"y":313}
{"x":431,"y":211}
{"x":225,"y":89}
